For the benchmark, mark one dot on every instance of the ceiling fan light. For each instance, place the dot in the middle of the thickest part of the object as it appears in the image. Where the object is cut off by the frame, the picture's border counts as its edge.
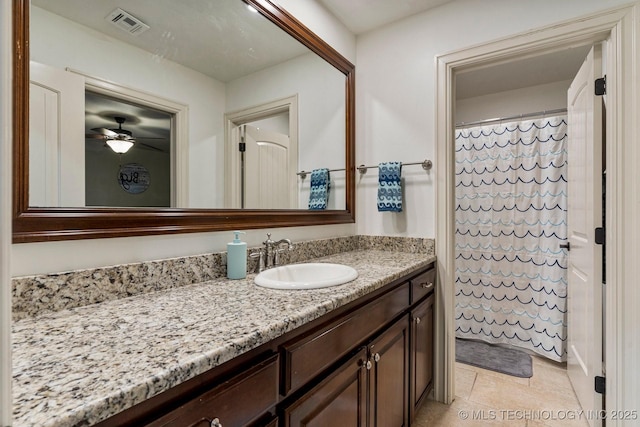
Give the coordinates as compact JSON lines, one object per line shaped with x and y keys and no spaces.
{"x":120,"y":146}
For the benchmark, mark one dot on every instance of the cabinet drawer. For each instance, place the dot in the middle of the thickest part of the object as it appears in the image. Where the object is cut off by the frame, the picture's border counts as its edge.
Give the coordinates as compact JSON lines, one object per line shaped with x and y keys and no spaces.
{"x":236,"y":402}
{"x":423,"y":285}
{"x":308,"y":356}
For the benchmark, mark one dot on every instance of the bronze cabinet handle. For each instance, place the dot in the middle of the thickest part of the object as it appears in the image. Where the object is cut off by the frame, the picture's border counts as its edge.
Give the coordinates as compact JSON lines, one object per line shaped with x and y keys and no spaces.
{"x":426,"y":285}
{"x":212,"y":422}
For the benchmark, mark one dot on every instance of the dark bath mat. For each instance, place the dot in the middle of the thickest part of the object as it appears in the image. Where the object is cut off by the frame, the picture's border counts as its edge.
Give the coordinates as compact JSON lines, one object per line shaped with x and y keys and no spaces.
{"x":494,"y":358}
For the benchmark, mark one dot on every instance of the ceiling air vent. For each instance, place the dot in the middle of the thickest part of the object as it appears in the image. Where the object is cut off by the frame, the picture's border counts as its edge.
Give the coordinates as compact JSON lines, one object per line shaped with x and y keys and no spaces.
{"x":127,"y":22}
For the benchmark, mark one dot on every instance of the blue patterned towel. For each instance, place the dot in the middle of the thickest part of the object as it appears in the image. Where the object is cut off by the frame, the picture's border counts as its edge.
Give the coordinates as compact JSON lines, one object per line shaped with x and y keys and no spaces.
{"x":320,"y":185}
{"x":389,"y":187}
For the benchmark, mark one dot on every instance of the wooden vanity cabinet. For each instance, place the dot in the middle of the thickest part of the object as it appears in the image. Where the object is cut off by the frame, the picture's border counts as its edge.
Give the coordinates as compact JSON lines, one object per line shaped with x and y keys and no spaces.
{"x":309,"y":355}
{"x":369,"y":389}
{"x":366,"y":364}
{"x":241,"y":401}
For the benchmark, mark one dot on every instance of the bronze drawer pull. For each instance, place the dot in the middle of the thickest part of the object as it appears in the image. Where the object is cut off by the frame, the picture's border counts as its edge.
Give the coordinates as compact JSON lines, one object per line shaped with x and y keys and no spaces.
{"x":212,"y":422}
{"x":426,"y":285}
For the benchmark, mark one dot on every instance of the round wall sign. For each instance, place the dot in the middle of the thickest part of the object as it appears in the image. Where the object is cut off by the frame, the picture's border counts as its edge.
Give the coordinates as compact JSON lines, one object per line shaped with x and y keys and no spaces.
{"x":134,"y":178}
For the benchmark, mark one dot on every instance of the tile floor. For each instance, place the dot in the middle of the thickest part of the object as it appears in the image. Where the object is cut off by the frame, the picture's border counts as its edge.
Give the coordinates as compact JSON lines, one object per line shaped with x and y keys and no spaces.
{"x":489,"y":398}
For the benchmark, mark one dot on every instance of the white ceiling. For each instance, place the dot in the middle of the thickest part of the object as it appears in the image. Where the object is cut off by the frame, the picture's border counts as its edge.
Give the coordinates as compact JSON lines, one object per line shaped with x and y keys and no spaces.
{"x":360,"y":16}
{"x":219,"y":38}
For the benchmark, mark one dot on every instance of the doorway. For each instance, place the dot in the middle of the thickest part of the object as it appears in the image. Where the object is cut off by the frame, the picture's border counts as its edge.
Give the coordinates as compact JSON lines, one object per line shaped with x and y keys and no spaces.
{"x":610,"y":26}
{"x":139,"y":176}
{"x":515,"y":278}
{"x":178,"y":137}
{"x":261,"y":156}
{"x":267,"y":164}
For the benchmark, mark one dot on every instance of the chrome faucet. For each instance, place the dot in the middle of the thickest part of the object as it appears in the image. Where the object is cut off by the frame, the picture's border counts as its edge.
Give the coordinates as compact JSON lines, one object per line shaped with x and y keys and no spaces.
{"x":277,"y":250}
{"x":269,"y":255}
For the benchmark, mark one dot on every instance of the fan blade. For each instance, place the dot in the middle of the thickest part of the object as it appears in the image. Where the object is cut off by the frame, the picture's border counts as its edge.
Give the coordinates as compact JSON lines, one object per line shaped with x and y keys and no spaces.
{"x":107,"y":132}
{"x":95,"y":136}
{"x":150,"y":147}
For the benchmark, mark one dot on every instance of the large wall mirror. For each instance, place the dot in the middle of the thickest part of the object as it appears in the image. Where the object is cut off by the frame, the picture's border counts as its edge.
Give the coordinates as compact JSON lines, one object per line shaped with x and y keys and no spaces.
{"x":147,"y":117}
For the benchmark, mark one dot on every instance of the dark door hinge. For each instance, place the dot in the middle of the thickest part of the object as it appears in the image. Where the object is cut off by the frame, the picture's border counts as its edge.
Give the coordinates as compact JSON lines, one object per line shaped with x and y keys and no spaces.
{"x":600,"y":385}
{"x":601,"y":86}
{"x":599,"y":237}
{"x":242,"y":147}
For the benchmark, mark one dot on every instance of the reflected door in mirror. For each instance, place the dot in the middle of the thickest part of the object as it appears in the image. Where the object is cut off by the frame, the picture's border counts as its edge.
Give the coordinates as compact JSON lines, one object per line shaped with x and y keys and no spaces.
{"x":269,"y":170}
{"x":56,"y":125}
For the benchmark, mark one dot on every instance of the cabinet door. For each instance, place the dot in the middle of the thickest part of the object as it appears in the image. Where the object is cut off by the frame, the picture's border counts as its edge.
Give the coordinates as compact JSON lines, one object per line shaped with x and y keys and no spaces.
{"x":421,"y":352}
{"x":388,"y":377}
{"x":339,"y":400}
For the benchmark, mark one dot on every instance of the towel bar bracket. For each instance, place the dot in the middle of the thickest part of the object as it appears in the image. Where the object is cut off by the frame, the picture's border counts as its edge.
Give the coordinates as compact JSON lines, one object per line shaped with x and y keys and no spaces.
{"x":303,"y":174}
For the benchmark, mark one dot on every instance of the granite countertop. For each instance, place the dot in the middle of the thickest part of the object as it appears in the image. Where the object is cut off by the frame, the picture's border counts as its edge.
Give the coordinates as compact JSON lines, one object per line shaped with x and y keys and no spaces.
{"x":80,"y":366}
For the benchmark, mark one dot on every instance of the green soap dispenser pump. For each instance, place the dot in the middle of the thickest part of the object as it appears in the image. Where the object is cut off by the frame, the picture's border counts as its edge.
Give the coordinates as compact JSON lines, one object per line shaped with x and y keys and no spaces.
{"x":237,"y":257}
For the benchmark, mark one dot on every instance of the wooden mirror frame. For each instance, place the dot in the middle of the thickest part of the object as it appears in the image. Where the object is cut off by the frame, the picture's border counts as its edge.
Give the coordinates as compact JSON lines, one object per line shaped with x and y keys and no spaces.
{"x":50,"y":224}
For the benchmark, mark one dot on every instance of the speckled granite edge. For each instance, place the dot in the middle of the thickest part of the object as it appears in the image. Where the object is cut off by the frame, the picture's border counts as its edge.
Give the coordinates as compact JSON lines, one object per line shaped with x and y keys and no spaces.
{"x":35,"y":295}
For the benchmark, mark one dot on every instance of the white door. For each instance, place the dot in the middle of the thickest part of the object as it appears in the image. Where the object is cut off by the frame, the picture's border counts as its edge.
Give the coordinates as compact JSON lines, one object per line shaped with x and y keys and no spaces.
{"x":269,"y":170}
{"x":584,"y":214}
{"x":56,"y":138}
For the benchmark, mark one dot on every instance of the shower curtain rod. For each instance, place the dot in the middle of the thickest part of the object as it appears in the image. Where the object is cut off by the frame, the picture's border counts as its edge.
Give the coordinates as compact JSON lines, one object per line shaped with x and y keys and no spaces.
{"x":519,"y":116}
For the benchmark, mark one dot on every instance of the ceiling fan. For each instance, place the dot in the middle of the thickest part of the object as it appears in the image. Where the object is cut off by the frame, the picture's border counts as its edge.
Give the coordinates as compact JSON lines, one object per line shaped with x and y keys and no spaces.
{"x":120,"y":140}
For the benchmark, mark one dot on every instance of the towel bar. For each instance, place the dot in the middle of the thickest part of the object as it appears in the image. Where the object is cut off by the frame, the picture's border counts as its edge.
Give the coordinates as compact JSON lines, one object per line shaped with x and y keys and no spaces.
{"x":426,"y":165}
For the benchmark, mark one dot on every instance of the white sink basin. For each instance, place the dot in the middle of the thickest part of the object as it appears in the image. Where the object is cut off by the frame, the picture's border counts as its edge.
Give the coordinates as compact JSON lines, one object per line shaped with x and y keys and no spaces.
{"x":306,"y":276}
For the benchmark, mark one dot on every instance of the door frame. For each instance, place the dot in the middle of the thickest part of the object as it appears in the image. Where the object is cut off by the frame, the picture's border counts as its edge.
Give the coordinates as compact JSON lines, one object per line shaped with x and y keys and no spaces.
{"x":619,"y":27}
{"x":6,"y":214}
{"x":179,"y":128}
{"x":232,"y":182}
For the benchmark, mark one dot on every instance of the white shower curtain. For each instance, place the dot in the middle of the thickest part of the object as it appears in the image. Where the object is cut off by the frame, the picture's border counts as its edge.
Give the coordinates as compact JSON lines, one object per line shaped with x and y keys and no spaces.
{"x":511,"y":206}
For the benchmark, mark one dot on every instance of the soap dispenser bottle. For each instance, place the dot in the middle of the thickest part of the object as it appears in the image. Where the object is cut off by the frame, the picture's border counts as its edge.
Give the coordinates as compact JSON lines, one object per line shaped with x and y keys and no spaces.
{"x":237,"y":257}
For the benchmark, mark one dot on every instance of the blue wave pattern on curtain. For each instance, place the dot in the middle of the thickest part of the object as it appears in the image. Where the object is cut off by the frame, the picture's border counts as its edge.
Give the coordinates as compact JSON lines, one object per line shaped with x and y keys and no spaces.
{"x":511,"y":217}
